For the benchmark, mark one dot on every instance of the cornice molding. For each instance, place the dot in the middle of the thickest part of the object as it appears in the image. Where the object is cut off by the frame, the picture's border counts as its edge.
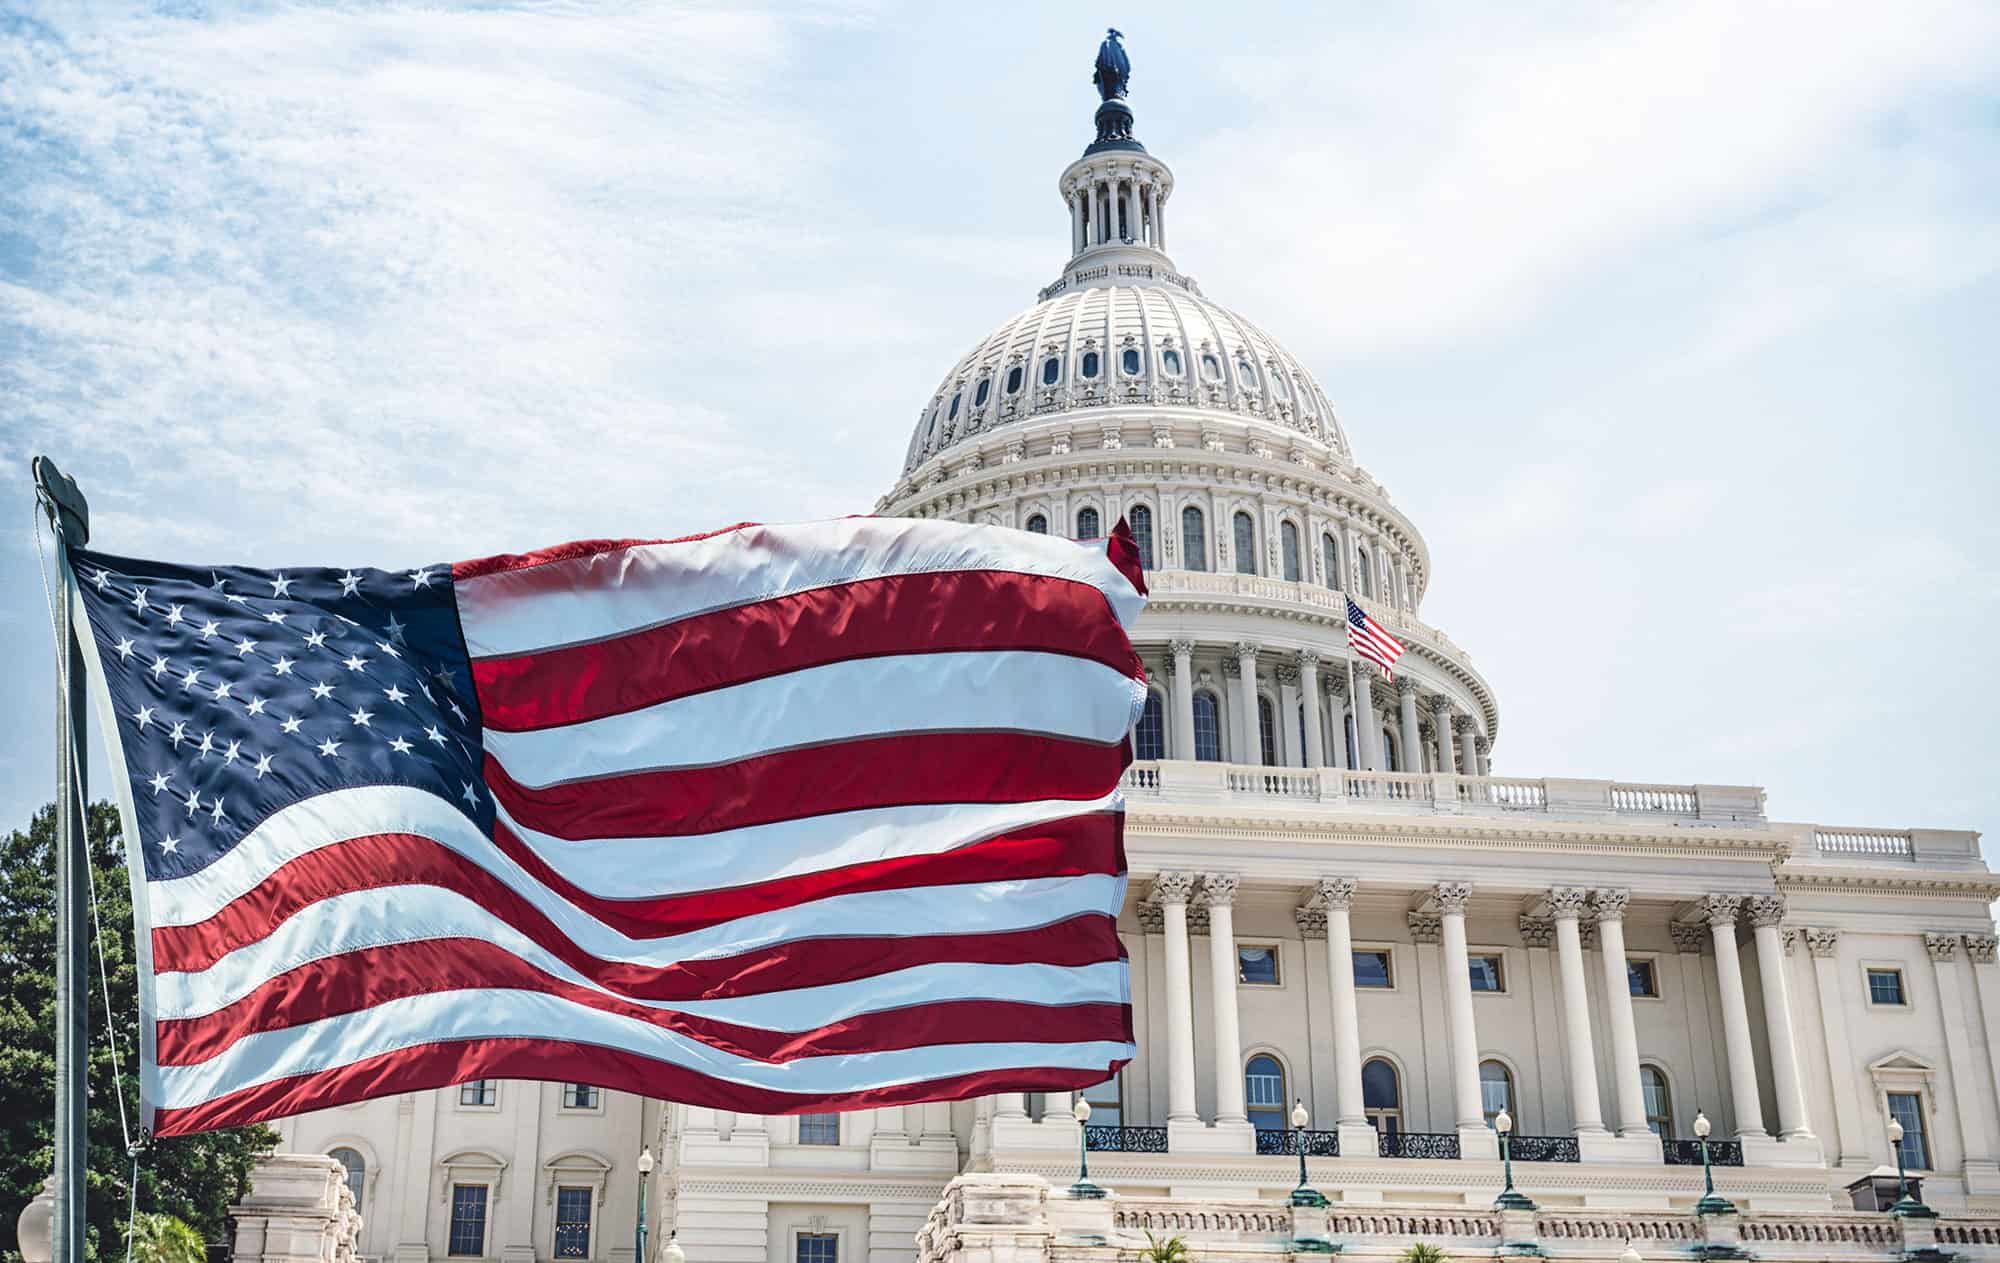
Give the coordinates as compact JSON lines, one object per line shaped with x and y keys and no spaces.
{"x":1477,"y":833}
{"x":1920,"y":883}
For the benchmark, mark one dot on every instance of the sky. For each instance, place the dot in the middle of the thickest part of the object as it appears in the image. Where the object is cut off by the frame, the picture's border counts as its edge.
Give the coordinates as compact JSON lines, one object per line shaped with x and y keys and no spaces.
{"x":1671,"y":326}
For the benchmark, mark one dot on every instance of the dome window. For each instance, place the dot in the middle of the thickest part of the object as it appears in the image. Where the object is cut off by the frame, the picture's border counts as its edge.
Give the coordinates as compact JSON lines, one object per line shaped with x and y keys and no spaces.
{"x":1038,"y":525}
{"x":1051,"y":370}
{"x":1278,"y":386}
{"x":1014,"y":380}
{"x":930,"y":431}
{"x":1140,"y":519}
{"x":1170,"y":361}
{"x":1288,"y":550}
{"x":1090,"y":364}
{"x":1129,"y":359}
{"x":1211,"y":368}
{"x":984,"y":389}
{"x":1087,"y":524}
{"x":1246,"y":372}
{"x":1246,"y":544}
{"x":953,"y":414}
{"x":1194,"y":539}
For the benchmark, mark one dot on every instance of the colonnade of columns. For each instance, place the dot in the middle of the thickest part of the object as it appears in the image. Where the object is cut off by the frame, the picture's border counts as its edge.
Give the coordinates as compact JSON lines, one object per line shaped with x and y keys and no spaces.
{"x":1556,"y":919}
{"x":1116,"y":205}
{"x":1454,"y":738}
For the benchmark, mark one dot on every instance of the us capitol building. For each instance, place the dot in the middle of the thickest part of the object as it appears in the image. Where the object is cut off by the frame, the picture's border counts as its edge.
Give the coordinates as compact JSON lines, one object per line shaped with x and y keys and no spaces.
{"x":1337,"y":900}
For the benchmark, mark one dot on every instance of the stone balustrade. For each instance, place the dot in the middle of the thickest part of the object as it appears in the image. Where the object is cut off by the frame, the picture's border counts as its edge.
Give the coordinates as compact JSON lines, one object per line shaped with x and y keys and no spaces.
{"x":1444,"y":793}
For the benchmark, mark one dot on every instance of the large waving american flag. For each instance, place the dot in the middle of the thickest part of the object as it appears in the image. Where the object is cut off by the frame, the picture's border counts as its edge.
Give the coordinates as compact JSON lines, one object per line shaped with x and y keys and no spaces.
{"x":776,"y":819}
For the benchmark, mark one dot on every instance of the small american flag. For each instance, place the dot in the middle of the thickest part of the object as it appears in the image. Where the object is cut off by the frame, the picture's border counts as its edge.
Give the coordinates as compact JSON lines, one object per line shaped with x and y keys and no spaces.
{"x":1371,"y":640}
{"x":777,"y":819}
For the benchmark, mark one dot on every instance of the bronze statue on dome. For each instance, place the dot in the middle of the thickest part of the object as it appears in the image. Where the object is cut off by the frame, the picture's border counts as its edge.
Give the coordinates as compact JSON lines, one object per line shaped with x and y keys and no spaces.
{"x":1114,"y":69}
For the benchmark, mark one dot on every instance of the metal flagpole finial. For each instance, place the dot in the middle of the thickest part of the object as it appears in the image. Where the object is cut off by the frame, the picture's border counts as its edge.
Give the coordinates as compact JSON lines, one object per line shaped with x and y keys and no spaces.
{"x":59,"y":497}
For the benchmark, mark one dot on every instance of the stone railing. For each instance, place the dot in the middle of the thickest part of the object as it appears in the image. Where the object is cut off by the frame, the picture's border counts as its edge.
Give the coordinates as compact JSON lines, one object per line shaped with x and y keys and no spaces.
{"x":1235,"y":1219}
{"x":1443,"y":793}
{"x":1887,"y":844}
{"x":1166,"y":584}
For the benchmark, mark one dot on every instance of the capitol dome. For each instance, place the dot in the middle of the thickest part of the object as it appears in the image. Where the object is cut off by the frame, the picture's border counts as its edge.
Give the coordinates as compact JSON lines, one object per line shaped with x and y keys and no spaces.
{"x":1125,"y":392}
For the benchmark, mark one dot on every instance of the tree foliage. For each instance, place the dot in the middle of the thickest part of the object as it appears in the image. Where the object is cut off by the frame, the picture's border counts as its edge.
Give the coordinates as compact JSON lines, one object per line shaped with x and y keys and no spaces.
{"x":1172,"y":1250}
{"x":158,"y":1238}
{"x":190,"y":1178}
{"x":1423,"y":1252}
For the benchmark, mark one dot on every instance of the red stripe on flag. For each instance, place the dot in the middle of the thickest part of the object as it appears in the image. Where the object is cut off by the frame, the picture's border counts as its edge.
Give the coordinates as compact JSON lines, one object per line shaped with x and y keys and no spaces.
{"x":914,"y":613}
{"x":1123,"y":552}
{"x":357,"y":980}
{"x":443,"y":1064}
{"x":500,"y":562}
{"x":899,"y":770}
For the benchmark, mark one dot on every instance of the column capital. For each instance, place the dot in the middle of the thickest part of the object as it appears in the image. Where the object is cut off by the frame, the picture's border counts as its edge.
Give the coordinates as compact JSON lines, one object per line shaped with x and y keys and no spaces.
{"x":1425,"y":928}
{"x":1440,"y":704}
{"x":1568,"y":903}
{"x":1941,"y":946}
{"x":1538,"y":932}
{"x":1336,"y":684}
{"x":1309,"y":660}
{"x":1248,"y":648}
{"x":1979,"y":948}
{"x":1288,"y":674}
{"x":1790,"y":936}
{"x":1720,"y":909}
{"x":1610,"y":904}
{"x":1405,"y":686}
{"x":1167,"y":667}
{"x":1822,"y":942}
{"x":1152,"y":918}
{"x":1481,"y":744}
{"x":1688,"y":936}
{"x":1766,"y":910}
{"x":1311,"y":919}
{"x":1232,"y":668}
{"x":1173,"y":888}
{"x":1181,"y":647}
{"x":1463,"y":724}
{"x":1451,"y":897}
{"x":1218,"y":890}
{"x":1334,"y":892}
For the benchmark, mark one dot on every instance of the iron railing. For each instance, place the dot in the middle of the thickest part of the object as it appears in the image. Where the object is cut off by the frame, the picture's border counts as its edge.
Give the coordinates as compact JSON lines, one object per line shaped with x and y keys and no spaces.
{"x":1687,"y":1153}
{"x":1417,"y":1144}
{"x":1125,"y":1139}
{"x":1544,"y":1149}
{"x":1319,"y":1144}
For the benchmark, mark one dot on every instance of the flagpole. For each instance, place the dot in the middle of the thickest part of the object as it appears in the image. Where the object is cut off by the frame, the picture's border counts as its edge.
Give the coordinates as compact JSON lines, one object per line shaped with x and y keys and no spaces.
{"x":69,"y":514}
{"x":1353,"y":752}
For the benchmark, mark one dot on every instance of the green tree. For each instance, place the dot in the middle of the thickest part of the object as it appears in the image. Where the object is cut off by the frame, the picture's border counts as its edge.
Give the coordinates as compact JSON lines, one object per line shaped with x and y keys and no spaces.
{"x":160,"y":1238}
{"x":190,"y":1178}
{"x":1172,"y":1250}
{"x":1423,"y":1252}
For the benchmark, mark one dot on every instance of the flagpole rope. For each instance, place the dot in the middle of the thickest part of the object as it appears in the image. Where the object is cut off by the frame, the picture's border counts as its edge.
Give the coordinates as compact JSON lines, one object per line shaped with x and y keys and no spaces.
{"x":96,"y":920}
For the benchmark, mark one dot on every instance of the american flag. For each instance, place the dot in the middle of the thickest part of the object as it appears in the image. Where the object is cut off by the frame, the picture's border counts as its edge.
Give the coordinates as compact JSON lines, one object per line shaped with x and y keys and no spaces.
{"x":1371,"y":640}
{"x":777,"y":819}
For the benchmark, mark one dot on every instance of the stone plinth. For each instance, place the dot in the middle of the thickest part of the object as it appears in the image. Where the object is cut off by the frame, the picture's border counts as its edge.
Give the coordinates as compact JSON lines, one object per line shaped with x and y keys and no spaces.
{"x":298,"y":1210}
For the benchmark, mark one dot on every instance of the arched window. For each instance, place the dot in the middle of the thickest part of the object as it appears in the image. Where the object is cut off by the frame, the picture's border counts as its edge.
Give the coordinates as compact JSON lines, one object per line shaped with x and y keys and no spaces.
{"x":1211,"y":368}
{"x":1267,"y":731}
{"x":1264,"y":1092}
{"x":1363,"y":573}
{"x":1128,"y":359}
{"x":1246,"y":544}
{"x":1329,"y":556}
{"x":1037,"y":524}
{"x":1149,"y":738}
{"x":1170,"y":362}
{"x":1659,"y":1101}
{"x":1382,"y":1096}
{"x":1288,"y":549}
{"x":931,"y":429}
{"x":357,"y":1172}
{"x":1278,"y":386}
{"x":1086,"y":524}
{"x":1014,"y":380}
{"x":953,"y":415}
{"x":1496,"y":1090}
{"x":1090,"y":363}
{"x":1194,"y":539}
{"x":1140,"y":519}
{"x":1051,"y":370}
{"x":1392,"y":751}
{"x":1207,"y":727}
{"x":1246,"y":372}
{"x":984,"y":389}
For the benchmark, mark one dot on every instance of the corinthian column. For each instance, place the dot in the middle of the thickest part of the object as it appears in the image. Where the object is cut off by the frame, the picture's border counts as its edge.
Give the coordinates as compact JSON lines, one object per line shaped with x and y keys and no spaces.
{"x":1451,"y":897}
{"x":1246,"y":703}
{"x":1183,"y":686}
{"x":1468,"y":754}
{"x":1441,"y":720}
{"x":1336,"y":895}
{"x":1309,"y":693}
{"x":1413,"y":740}
{"x":1721,"y":913}
{"x":1566,"y":907}
{"x":1367,"y":737}
{"x":1766,"y":913}
{"x":1171,"y":891}
{"x":1218,"y":891}
{"x":1610,"y":906}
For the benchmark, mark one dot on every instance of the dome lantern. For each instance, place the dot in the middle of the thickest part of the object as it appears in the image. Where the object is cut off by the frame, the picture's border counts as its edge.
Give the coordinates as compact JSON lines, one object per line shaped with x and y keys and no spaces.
{"x":1117,"y":192}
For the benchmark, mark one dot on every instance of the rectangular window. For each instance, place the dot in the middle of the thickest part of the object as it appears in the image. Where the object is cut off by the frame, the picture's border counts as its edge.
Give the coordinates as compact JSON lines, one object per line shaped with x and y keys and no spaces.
{"x":1371,"y":969}
{"x":479,"y":1092}
{"x":819,"y":1129}
{"x":817,"y":1247}
{"x":579,"y":1096}
{"x":1257,"y":966}
{"x":1640,"y":979}
{"x":468,"y":1220}
{"x":572,"y":1223}
{"x":1885,"y":986}
{"x":1907,"y":1108}
{"x":1487,"y":974}
{"x":1107,"y":1103}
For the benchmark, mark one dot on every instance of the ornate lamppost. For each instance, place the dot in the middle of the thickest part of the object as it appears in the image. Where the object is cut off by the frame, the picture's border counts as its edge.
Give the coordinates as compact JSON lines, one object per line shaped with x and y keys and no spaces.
{"x":1906,"y":1206}
{"x":645,"y":1178}
{"x":1510,"y":1197}
{"x":1303,"y":1195}
{"x":1710,"y":1203}
{"x":1083,"y":1187}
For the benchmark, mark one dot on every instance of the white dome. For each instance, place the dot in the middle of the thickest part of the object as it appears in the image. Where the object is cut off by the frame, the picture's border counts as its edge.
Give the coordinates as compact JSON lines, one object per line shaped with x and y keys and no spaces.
{"x":1187,"y":352}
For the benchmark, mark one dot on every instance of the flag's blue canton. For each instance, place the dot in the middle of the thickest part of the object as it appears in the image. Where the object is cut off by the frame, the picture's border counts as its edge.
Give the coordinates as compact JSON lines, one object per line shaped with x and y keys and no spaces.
{"x":240,"y":692}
